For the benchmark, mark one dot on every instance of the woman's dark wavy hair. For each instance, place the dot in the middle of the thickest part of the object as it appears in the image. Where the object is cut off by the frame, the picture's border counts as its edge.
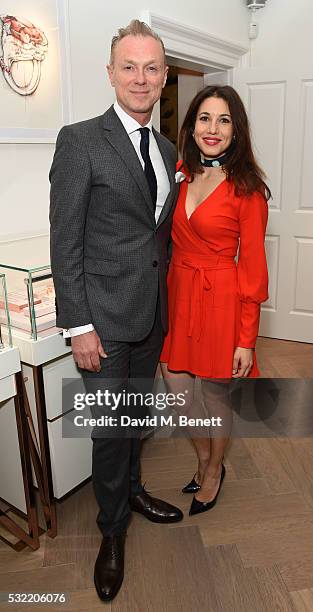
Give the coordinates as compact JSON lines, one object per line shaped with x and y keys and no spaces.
{"x":241,"y":166}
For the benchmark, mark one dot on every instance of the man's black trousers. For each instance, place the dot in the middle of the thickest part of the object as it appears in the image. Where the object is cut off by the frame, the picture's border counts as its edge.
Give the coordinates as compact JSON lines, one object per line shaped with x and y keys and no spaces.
{"x":116,"y":457}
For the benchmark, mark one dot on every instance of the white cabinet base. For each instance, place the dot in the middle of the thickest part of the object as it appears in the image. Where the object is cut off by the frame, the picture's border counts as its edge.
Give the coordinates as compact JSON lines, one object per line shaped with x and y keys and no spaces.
{"x":70,"y":459}
{"x":11,"y":477}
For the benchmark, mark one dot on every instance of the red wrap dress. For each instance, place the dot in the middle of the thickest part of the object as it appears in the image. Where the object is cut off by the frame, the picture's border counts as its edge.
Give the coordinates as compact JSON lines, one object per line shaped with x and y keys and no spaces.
{"x":214,"y":301}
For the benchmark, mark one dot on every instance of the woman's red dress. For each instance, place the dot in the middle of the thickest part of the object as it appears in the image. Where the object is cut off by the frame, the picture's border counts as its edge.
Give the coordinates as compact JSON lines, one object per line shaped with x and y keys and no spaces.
{"x":214,"y":302}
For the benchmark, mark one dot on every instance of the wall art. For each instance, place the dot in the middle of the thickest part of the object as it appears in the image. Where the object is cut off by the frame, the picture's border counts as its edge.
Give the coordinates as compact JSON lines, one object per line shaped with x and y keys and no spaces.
{"x":23,"y":49}
{"x":35,"y":76}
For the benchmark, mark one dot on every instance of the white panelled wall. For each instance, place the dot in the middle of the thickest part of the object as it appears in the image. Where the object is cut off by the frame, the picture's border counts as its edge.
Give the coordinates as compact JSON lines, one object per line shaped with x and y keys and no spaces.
{"x":278,"y":91}
{"x":274,"y":97}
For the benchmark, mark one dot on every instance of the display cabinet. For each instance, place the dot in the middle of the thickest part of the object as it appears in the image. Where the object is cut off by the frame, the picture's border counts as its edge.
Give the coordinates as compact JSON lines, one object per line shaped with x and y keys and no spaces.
{"x":46,"y":359}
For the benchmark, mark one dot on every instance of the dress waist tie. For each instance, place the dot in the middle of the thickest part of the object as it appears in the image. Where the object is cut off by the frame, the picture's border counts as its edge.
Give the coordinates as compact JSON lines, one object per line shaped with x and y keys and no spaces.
{"x":200,"y":265}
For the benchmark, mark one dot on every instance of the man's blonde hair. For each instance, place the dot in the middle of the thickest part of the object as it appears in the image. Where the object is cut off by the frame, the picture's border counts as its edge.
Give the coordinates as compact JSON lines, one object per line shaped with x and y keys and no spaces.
{"x":134,"y":28}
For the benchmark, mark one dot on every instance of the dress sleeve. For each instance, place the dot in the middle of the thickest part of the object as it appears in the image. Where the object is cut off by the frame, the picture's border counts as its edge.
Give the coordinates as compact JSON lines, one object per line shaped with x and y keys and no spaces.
{"x":252,"y":267}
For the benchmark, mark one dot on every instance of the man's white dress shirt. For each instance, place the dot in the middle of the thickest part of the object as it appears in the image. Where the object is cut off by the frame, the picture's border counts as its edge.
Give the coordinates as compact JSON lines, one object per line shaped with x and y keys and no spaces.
{"x":132,"y":126}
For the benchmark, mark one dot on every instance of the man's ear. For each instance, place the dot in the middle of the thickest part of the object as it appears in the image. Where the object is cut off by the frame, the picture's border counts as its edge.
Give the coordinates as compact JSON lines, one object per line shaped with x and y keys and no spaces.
{"x":165,"y":75}
{"x":110,"y":72}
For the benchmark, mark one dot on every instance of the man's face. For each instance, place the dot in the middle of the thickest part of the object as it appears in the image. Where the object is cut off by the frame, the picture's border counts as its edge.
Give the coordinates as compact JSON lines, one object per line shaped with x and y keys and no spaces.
{"x":138,"y":73}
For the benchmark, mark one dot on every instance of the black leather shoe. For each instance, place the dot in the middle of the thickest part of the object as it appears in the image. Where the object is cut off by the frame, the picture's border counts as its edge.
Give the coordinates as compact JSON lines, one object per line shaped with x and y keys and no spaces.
{"x":109,"y":567}
{"x":198,"y":506}
{"x":192,"y":487}
{"x":156,"y":510}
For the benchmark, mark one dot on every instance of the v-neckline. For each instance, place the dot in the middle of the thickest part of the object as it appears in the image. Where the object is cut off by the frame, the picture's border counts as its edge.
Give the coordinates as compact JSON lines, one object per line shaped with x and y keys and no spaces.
{"x":203,"y":201}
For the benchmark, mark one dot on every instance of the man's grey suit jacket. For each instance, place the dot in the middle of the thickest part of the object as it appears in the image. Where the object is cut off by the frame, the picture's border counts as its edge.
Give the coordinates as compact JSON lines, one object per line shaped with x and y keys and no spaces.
{"x":109,"y":258}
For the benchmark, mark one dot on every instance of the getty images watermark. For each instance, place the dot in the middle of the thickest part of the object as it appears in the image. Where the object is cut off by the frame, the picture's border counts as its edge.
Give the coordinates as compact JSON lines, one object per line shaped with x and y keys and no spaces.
{"x":118,"y":402}
{"x":137,"y":407}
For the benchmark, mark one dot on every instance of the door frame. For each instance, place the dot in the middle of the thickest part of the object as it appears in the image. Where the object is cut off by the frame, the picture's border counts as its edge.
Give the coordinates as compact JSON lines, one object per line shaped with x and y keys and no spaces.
{"x":195,"y":47}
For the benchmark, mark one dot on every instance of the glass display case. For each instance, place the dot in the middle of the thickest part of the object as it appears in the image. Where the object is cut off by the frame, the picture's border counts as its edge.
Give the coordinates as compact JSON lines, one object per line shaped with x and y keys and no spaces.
{"x":30,"y":292}
{"x":5,"y":339}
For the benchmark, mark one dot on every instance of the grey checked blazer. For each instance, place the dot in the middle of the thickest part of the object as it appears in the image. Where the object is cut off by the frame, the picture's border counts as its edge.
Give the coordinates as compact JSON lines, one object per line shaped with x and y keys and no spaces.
{"x":109,"y":257}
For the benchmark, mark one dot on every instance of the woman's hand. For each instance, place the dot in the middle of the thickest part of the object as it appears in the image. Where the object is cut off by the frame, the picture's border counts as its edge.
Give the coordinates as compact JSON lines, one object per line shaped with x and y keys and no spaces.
{"x":242,"y":362}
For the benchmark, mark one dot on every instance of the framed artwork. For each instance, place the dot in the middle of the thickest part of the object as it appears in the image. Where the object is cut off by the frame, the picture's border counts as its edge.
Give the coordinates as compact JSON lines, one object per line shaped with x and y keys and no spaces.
{"x":35,"y":76}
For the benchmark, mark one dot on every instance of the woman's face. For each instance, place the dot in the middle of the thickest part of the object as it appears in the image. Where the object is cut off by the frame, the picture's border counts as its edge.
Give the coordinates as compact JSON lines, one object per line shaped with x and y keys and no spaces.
{"x":213,"y":130}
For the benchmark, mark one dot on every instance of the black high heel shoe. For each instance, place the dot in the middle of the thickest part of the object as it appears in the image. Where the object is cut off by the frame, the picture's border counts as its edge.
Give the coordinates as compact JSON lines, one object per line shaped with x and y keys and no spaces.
{"x":192,"y":487}
{"x":198,"y":506}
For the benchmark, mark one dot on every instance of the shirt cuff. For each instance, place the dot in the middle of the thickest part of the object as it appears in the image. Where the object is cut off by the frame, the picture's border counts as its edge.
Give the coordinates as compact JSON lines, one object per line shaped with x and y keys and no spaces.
{"x":77,"y":331}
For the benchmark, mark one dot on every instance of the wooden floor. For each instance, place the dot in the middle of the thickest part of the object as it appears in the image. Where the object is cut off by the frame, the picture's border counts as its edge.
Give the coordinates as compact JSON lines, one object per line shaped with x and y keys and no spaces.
{"x":252,"y":553}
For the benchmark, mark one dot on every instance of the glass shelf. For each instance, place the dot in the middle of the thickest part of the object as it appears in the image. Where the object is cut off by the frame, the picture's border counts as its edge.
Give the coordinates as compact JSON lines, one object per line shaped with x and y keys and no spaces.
{"x":26,"y":254}
{"x":30,"y":290}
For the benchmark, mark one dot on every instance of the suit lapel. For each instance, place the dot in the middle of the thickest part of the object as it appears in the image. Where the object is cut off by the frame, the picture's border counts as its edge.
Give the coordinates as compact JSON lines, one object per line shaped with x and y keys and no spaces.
{"x":171,"y":196}
{"x":117,"y":136}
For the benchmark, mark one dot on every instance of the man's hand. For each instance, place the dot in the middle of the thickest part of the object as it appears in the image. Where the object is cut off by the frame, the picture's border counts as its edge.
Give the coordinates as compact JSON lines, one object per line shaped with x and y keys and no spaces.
{"x":86,"y":349}
{"x":242,"y":362}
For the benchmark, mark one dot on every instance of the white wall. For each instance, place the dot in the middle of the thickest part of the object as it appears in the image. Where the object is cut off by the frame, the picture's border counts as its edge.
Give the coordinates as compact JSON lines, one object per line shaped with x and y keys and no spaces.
{"x":24,"y":187}
{"x":285,"y":35}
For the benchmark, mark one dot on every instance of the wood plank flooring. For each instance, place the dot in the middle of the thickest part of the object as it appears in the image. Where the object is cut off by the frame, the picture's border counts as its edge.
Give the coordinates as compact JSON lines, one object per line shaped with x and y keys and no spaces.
{"x":252,"y":553}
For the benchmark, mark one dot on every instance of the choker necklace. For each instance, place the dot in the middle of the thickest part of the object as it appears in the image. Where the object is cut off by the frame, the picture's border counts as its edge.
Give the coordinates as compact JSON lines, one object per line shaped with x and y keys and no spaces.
{"x":213,"y":163}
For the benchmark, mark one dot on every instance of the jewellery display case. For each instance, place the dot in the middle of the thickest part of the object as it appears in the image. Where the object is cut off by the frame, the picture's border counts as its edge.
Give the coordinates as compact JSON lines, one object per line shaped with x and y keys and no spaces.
{"x":30,"y":296}
{"x":46,"y":359}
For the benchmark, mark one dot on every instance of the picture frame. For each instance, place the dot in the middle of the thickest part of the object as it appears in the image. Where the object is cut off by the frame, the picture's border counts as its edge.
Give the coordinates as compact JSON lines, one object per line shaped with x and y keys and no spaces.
{"x":38,"y":117}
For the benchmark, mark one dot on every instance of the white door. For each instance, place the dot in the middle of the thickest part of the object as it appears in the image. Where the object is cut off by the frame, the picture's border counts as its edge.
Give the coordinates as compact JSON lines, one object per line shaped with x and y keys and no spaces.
{"x":280,"y":108}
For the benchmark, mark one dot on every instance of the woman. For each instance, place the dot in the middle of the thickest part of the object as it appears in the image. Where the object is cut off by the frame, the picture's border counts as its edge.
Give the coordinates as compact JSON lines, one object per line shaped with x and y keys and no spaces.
{"x":214,"y":303}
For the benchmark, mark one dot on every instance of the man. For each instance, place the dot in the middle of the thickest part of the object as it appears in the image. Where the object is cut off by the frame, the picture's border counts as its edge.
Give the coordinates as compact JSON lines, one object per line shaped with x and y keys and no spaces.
{"x":112,"y":201}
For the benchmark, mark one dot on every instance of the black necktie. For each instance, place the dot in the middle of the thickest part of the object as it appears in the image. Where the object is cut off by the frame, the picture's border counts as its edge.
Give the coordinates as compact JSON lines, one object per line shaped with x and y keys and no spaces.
{"x":149,"y":171}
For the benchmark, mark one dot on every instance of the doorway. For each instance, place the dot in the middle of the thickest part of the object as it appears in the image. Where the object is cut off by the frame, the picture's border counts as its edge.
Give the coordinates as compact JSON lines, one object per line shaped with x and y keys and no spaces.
{"x":183,"y":83}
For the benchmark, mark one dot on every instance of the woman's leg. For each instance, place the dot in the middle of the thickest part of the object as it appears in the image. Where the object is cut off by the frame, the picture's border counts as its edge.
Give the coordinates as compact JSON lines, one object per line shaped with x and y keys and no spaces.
{"x":180,"y":382}
{"x":216,"y":402}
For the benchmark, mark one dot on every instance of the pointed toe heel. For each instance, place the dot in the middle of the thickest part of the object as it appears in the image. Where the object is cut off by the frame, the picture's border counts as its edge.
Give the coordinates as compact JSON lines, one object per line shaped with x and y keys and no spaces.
{"x":197,"y":506}
{"x":192,"y":487}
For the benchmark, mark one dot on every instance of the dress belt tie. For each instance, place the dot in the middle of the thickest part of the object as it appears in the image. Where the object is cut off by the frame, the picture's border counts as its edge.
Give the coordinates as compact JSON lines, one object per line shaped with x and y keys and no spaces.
{"x":200,"y":284}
